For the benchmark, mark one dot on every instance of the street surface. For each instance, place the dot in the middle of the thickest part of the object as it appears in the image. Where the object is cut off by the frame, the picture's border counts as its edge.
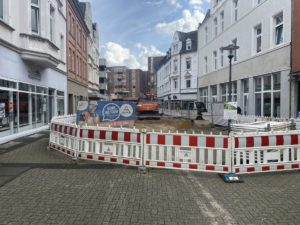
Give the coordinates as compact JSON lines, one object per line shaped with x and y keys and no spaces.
{"x":42,"y":187}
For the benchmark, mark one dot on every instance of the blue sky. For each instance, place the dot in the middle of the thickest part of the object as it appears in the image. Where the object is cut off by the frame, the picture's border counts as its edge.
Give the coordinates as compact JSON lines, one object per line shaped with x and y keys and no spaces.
{"x":132,"y":30}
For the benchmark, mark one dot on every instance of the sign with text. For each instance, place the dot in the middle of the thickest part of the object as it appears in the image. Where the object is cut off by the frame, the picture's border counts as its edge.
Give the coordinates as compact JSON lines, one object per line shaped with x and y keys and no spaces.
{"x":230,"y":110}
{"x":117,"y":113}
{"x":106,"y":113}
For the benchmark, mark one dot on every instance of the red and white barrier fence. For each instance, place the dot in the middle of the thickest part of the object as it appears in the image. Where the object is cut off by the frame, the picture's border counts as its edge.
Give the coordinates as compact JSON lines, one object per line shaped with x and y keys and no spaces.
{"x":240,"y":153}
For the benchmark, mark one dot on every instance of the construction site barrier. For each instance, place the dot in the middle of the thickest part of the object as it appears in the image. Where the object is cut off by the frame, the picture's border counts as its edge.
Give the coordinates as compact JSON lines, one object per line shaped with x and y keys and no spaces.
{"x":237,"y":153}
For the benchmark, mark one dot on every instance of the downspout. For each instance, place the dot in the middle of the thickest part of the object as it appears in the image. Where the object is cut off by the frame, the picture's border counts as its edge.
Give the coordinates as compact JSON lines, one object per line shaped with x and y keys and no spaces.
{"x":291,"y":60}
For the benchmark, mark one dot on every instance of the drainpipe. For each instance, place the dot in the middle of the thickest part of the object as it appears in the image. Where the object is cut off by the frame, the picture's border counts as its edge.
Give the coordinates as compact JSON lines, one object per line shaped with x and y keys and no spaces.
{"x":291,"y":61}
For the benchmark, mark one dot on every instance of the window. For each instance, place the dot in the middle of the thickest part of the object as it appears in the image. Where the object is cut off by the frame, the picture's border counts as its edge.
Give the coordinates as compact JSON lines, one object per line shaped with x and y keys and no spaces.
{"x":221,"y":57}
{"x":214,"y":93}
{"x":205,"y":65}
{"x":234,"y":42}
{"x":222,"y":21}
{"x":175,"y":84}
{"x":258,"y":31}
{"x":278,"y":21}
{"x":235,"y":6}
{"x":35,"y":16}
{"x":188,"y":44}
{"x":216,"y":26}
{"x":203,"y":96}
{"x":267,"y":95}
{"x":188,"y":63}
{"x":62,"y":47}
{"x":215,"y":60}
{"x":188,"y":83}
{"x":175,"y":65}
{"x":206,"y":34}
{"x":52,"y":23}
{"x":70,"y":23}
{"x":1,"y":9}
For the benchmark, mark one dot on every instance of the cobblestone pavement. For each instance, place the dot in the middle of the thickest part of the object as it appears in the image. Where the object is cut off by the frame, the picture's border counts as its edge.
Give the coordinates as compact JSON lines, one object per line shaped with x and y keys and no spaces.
{"x":107,"y":194}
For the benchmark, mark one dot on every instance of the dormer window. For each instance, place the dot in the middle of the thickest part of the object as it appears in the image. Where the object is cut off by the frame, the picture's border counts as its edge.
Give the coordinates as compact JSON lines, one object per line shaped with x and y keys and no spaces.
{"x":188,"y":44}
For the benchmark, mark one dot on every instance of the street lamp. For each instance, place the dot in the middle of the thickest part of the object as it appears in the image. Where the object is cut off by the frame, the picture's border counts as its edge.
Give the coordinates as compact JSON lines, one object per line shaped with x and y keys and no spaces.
{"x":230,"y":177}
{"x":230,"y":48}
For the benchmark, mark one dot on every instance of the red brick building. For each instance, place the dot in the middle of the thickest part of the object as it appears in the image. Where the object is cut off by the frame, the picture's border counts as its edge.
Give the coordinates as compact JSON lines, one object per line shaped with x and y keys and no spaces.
{"x":77,"y":65}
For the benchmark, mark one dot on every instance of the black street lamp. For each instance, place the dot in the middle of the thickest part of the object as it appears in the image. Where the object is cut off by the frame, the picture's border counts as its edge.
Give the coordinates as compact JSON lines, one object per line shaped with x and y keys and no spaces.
{"x":230,"y":48}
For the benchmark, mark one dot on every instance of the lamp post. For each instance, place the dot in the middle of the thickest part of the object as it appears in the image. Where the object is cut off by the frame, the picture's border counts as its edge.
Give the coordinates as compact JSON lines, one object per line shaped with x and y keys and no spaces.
{"x":230,"y":48}
{"x":230,"y":177}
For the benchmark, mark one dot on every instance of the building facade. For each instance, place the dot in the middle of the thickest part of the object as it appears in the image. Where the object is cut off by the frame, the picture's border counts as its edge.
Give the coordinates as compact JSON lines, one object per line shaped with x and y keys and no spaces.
{"x":103,"y":79}
{"x":118,"y":82}
{"x":295,"y":63}
{"x":153,"y":64}
{"x":33,"y":80}
{"x":138,"y":83}
{"x":177,"y":73}
{"x":77,"y":64}
{"x":93,"y":51}
{"x":261,"y":65}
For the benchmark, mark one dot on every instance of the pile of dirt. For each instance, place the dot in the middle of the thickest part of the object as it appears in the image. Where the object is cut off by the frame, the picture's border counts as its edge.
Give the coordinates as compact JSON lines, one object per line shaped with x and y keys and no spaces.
{"x":167,"y":124}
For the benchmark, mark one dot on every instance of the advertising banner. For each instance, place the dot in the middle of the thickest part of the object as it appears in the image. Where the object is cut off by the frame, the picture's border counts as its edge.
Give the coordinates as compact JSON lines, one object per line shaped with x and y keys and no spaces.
{"x":117,"y":113}
{"x":106,"y":113}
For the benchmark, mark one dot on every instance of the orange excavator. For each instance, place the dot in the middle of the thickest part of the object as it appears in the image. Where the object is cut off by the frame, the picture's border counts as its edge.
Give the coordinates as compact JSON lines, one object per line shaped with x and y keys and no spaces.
{"x":147,"y":108}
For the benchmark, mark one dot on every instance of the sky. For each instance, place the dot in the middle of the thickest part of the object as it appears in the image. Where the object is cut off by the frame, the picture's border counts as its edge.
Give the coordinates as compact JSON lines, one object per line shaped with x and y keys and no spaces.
{"x":132,"y":30}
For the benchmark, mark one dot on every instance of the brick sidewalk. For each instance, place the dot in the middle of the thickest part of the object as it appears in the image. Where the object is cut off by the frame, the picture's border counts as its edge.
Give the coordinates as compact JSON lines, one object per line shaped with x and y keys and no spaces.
{"x":108,"y":194}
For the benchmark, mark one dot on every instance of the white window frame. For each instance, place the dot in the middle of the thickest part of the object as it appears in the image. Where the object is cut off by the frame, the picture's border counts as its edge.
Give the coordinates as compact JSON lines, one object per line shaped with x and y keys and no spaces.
{"x":277,"y":26}
{"x":262,"y":92}
{"x":222,"y":15}
{"x":221,"y":58}
{"x":216,"y":26}
{"x":235,"y":10}
{"x":186,"y":83}
{"x":205,"y":64}
{"x":206,"y":34}
{"x":37,"y":8}
{"x":188,"y":60}
{"x":235,"y":53}
{"x":2,"y":2}
{"x":52,"y":23}
{"x":215,"y":60}
{"x":188,"y":44}
{"x":257,"y":36}
{"x":175,"y":84}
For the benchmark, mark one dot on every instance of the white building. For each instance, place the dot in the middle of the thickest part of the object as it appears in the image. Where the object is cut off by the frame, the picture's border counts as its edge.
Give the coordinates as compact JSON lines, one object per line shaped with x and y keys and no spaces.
{"x":93,"y":50}
{"x":177,"y":73}
{"x":33,"y":79}
{"x":261,"y":66}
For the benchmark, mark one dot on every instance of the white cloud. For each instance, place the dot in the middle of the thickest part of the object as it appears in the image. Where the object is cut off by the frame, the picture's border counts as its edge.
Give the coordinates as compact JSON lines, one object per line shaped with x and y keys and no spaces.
{"x":174,"y":3}
{"x":145,"y":52}
{"x":117,"y":55}
{"x":196,"y":4}
{"x":188,"y":22}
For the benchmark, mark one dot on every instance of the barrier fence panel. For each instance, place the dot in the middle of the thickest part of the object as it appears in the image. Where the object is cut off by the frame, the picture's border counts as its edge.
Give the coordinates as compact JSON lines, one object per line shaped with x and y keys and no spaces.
{"x":263,"y":152}
{"x":63,"y":137}
{"x":111,"y":145}
{"x":240,"y":153}
{"x":188,"y":152}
